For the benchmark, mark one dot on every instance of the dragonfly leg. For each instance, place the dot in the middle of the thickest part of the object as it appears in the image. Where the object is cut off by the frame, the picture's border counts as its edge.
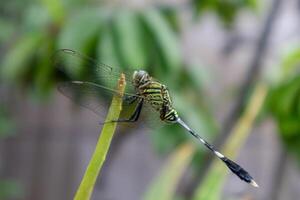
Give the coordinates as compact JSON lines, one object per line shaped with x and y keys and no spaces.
{"x":163,"y":112}
{"x":135,"y":116}
{"x":130,"y":99}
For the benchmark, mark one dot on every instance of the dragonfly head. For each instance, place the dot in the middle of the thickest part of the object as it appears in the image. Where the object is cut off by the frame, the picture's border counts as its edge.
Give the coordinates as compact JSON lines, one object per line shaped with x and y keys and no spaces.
{"x":140,"y":77}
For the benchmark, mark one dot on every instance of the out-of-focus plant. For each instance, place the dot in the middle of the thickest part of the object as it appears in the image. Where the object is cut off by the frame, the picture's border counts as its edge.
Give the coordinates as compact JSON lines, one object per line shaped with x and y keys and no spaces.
{"x":120,"y":37}
{"x":226,"y":10}
{"x":124,"y":38}
{"x":7,"y":126}
{"x":86,"y":187}
{"x":284,"y":101}
{"x":10,"y":189}
{"x":7,"y":29}
{"x":164,"y":186}
{"x":211,"y":186}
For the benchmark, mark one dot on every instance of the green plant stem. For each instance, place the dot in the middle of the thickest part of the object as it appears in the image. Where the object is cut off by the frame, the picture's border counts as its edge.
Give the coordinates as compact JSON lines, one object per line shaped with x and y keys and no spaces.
{"x":85,"y":189}
{"x":164,"y":185}
{"x":211,"y":186}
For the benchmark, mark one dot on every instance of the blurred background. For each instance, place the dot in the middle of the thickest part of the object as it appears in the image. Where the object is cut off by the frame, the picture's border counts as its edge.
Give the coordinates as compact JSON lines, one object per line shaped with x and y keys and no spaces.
{"x":232,"y":70}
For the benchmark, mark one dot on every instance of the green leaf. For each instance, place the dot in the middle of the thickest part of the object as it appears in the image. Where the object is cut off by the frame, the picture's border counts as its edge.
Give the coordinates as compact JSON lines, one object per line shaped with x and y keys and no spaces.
{"x":284,"y":99}
{"x":164,"y":185}
{"x":210,"y":188}
{"x":129,"y":36}
{"x":164,"y":39}
{"x":291,"y":61}
{"x":201,"y":5}
{"x":55,"y":8}
{"x":44,"y":72}
{"x":289,"y":127}
{"x":81,"y":31}
{"x":107,"y":52}
{"x":171,"y":15}
{"x":252,"y":4}
{"x":167,"y":138}
{"x":227,"y":10}
{"x":16,"y":62}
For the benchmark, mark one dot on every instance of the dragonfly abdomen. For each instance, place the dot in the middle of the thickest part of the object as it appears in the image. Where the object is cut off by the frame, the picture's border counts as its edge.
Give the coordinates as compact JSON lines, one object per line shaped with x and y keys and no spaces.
{"x":170,"y":116}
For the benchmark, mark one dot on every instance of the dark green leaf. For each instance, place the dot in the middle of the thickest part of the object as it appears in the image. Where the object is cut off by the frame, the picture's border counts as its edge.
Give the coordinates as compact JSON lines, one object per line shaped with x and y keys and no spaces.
{"x":16,"y":62}
{"x":130,"y":39}
{"x":165,"y":40}
{"x":81,"y":31}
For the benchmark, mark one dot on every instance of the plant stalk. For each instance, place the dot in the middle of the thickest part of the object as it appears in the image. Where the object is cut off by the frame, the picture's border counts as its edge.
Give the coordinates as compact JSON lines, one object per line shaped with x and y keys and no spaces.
{"x":86,"y":186}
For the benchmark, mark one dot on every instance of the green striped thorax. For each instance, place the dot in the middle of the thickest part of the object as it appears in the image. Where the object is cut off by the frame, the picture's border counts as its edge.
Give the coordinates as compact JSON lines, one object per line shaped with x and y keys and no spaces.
{"x":148,"y":90}
{"x":156,"y":94}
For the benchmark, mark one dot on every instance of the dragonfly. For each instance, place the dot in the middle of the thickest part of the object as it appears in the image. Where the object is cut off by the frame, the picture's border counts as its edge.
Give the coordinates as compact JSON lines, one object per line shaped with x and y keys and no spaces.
{"x":143,"y":91}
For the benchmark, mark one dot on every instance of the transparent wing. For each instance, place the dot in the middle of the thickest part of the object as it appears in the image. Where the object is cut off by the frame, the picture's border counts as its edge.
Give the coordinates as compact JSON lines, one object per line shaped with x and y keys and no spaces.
{"x":96,"y":98}
{"x":92,"y":86}
{"x":83,"y":68}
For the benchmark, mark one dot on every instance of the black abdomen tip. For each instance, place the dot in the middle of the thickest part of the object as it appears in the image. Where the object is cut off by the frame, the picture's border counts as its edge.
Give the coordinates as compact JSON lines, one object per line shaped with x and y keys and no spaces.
{"x":239,"y":171}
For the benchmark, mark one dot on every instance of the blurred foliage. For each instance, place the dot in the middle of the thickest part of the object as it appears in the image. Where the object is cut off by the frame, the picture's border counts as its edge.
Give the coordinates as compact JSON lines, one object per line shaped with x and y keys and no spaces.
{"x":7,"y":29}
{"x":7,"y":126}
{"x":226,"y":10}
{"x":164,"y":185}
{"x":123,"y":38}
{"x":284,"y":101}
{"x":211,"y":186}
{"x":10,"y":189}
{"x":120,"y":37}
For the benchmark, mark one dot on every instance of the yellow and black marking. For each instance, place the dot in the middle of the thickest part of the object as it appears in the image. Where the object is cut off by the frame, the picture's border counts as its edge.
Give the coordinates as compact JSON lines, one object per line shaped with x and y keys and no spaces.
{"x":157,"y":95}
{"x":147,"y":90}
{"x":234,"y":167}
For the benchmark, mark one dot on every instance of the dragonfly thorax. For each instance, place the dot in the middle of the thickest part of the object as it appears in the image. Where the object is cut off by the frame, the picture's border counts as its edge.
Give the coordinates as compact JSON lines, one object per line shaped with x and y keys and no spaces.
{"x":140,"y":77}
{"x":147,"y":91}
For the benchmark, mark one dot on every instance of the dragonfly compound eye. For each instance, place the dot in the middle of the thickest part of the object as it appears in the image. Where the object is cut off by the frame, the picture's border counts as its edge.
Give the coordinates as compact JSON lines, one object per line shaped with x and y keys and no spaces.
{"x":140,"y":76}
